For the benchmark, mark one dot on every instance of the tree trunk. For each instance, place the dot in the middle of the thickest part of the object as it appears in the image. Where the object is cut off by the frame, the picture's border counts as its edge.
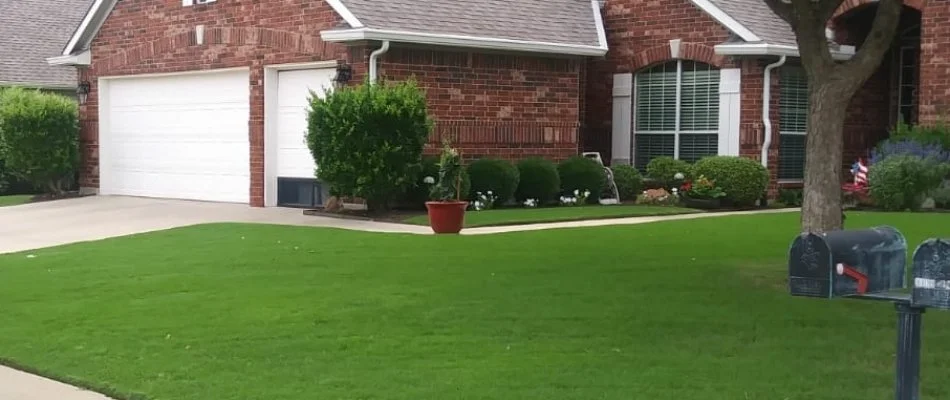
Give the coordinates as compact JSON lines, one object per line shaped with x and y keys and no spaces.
{"x":821,"y":206}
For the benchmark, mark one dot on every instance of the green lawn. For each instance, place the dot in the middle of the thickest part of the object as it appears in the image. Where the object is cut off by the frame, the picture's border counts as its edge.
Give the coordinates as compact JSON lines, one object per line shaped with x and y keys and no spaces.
{"x":676,"y":310}
{"x":14,"y":200}
{"x":513,"y":216}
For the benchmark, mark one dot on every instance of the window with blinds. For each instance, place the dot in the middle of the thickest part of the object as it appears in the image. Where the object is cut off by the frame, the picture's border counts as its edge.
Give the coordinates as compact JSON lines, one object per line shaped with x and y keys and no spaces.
{"x":793,"y":118}
{"x":676,"y":112}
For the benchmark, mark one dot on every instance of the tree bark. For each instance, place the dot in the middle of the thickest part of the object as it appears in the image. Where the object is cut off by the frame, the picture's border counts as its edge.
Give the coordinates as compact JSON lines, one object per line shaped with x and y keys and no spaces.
{"x":821,"y":205}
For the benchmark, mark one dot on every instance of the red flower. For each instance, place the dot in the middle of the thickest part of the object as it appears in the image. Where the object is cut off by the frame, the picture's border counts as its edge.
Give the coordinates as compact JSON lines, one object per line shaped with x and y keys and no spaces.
{"x":687,"y":186}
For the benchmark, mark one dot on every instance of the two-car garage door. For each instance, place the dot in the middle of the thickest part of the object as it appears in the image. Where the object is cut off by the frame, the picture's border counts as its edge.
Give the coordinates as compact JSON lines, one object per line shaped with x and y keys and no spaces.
{"x":185,"y":136}
{"x":182,"y":136}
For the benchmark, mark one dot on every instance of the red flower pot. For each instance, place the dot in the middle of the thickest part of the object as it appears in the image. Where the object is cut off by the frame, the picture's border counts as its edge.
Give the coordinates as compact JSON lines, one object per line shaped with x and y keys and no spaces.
{"x":446,"y":216}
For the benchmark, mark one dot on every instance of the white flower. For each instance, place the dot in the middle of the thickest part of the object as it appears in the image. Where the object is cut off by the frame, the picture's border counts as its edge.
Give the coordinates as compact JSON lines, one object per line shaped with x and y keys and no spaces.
{"x":679,"y":175}
{"x":429,"y":180}
{"x":490,"y":193}
{"x":577,"y":192}
{"x":586,"y":193}
{"x":675,"y":190}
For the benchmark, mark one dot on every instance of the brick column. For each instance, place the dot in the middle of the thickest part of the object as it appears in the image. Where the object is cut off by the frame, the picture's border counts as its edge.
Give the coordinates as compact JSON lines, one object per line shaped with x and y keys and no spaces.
{"x":935,"y":62}
{"x":256,"y":132}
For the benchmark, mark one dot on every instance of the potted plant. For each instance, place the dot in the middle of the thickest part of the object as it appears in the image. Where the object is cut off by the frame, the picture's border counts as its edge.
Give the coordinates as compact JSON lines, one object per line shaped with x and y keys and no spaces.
{"x":446,"y":209}
{"x":702,"y":194}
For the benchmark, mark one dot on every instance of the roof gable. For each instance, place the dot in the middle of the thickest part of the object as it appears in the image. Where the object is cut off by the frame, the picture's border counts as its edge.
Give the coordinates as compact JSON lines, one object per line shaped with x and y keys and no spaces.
{"x":564,"y":23}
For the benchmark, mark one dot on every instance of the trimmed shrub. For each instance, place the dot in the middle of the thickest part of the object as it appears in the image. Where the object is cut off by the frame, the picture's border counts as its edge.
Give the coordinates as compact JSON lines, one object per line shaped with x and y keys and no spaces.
{"x":743,"y":179}
{"x":628,"y":180}
{"x":902,"y":182}
{"x":582,"y":174}
{"x":491,"y":174}
{"x":39,"y":138}
{"x":539,"y":180}
{"x":367,"y":140}
{"x":664,"y":169}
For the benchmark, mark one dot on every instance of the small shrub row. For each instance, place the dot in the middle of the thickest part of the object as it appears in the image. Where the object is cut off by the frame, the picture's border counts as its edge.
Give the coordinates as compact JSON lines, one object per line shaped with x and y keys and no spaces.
{"x":743,"y":180}
{"x":902,"y":182}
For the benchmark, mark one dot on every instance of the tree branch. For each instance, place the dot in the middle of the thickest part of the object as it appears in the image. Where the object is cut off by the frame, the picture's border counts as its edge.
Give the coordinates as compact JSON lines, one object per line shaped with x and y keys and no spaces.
{"x":868,"y":58}
{"x":809,"y":29}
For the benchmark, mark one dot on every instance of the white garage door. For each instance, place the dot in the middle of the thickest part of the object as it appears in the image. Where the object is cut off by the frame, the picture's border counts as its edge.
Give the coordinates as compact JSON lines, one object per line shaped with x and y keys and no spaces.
{"x":182,"y":136}
{"x":294,"y":159}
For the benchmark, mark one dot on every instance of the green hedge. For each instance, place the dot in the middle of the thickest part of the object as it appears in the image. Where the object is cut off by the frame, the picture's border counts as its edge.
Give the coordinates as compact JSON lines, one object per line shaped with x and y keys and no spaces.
{"x":743,"y":179}
{"x":491,"y":174}
{"x":629,"y":181}
{"x":39,"y":138}
{"x":902,"y":182}
{"x":582,"y":174}
{"x":539,"y":180}
{"x":367,"y":140}
{"x":664,"y":170}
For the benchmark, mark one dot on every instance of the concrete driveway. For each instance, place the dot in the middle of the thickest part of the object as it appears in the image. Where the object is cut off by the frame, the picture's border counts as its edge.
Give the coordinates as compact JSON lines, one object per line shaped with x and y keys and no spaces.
{"x":53,"y":223}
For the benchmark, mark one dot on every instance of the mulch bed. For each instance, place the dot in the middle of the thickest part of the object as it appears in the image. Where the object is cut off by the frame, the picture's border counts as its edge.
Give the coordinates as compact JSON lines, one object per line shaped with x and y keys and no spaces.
{"x":394,"y":216}
{"x":50,"y":197}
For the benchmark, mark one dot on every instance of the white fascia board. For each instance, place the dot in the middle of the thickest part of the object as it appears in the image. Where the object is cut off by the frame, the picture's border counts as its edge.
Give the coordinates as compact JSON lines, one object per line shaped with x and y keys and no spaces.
{"x":764,"y":49}
{"x":83,"y":58}
{"x":599,"y":21}
{"x":726,"y":20}
{"x":350,"y":35}
{"x":345,"y":13}
{"x":87,"y":24}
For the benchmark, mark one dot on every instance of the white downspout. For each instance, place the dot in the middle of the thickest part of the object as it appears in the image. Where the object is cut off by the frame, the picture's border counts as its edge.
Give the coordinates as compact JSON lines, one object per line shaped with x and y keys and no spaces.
{"x":373,"y":61}
{"x":766,"y":104}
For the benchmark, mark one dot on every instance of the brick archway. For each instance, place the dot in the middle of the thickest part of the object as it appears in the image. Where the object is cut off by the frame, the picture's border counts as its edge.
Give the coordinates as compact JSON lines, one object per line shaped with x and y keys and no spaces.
{"x":688,"y":51}
{"x":849,"y":5}
{"x":236,"y":36}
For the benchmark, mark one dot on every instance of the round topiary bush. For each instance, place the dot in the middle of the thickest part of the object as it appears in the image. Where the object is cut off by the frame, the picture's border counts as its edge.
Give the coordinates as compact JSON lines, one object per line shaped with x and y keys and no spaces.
{"x":743,"y":179}
{"x":539,"y":180}
{"x":582,"y":174}
{"x":901,"y":182}
{"x":629,"y":181}
{"x":491,"y":174}
{"x":664,"y":169}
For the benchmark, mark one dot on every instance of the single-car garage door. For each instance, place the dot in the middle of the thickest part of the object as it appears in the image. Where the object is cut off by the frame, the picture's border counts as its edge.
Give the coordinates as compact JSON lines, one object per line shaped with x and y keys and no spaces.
{"x":181,"y":136}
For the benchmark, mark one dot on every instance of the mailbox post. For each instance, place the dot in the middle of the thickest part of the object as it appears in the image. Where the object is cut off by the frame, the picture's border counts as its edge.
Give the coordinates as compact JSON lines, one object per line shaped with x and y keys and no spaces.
{"x":869,"y":265}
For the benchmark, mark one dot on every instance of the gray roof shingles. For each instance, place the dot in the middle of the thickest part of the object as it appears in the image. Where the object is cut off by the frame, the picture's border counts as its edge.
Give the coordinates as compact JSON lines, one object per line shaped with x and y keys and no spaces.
{"x":757,"y":17}
{"x":32,"y":31}
{"x":569,"y":22}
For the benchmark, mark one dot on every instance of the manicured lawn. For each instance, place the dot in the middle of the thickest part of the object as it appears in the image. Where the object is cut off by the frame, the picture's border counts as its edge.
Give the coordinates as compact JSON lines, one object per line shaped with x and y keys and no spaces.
{"x":676,"y":310}
{"x":14,"y":200}
{"x":512,"y":216}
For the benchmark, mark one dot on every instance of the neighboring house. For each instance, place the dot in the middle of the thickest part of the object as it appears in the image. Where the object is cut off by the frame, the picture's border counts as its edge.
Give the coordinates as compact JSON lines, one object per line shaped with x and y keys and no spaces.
{"x":31,"y":32}
{"x":205,"y":99}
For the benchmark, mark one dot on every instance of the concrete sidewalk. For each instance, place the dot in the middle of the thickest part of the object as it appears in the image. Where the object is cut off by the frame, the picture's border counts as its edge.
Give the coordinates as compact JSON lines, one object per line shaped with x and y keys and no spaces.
{"x":16,"y":385}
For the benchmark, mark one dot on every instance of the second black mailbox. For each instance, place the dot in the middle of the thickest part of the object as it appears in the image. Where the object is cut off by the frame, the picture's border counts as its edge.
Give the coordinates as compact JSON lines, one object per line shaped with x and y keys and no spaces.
{"x":847,"y":263}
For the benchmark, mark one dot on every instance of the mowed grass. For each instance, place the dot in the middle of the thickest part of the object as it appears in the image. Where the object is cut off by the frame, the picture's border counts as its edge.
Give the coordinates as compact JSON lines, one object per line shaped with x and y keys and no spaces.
{"x":513,"y":216}
{"x":677,"y":310}
{"x":15,"y":200}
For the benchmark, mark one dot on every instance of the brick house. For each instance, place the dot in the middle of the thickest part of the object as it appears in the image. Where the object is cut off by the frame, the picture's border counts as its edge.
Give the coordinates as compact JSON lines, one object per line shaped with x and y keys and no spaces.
{"x":205,"y":99}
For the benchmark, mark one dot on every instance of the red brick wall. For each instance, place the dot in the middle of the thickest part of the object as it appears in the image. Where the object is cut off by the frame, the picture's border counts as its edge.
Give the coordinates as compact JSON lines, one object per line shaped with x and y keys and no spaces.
{"x":638,"y":34}
{"x":935,"y":62}
{"x":152,"y":36}
{"x":509,"y":106}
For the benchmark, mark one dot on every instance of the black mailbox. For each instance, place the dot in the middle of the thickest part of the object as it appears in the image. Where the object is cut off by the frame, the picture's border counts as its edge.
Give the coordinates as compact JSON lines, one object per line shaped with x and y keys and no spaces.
{"x":932,"y":274}
{"x":847,"y":263}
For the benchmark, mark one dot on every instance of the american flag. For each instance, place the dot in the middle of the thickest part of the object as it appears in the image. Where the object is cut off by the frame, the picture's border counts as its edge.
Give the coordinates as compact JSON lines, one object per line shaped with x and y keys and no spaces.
{"x":860,"y":172}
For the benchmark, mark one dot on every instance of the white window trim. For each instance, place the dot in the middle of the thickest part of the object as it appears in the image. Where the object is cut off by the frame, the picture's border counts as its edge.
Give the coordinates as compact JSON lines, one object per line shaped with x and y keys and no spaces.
{"x":677,"y":131}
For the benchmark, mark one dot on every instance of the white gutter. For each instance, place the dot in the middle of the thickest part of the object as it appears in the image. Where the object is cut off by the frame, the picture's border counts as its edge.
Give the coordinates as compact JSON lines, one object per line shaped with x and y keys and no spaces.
{"x":766,"y":100}
{"x":489,"y":43}
{"x":764,"y":49}
{"x":374,"y":61}
{"x":83,"y":58}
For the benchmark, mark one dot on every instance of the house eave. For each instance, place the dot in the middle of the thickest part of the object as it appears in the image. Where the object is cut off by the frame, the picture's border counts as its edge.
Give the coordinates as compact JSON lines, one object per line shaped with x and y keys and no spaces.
{"x":764,"y":49}
{"x":362,"y":34}
{"x":80,"y":59}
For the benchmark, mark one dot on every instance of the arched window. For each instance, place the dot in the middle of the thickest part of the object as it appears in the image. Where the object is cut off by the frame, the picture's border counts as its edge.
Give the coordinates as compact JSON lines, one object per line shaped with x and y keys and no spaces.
{"x":676,"y":112}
